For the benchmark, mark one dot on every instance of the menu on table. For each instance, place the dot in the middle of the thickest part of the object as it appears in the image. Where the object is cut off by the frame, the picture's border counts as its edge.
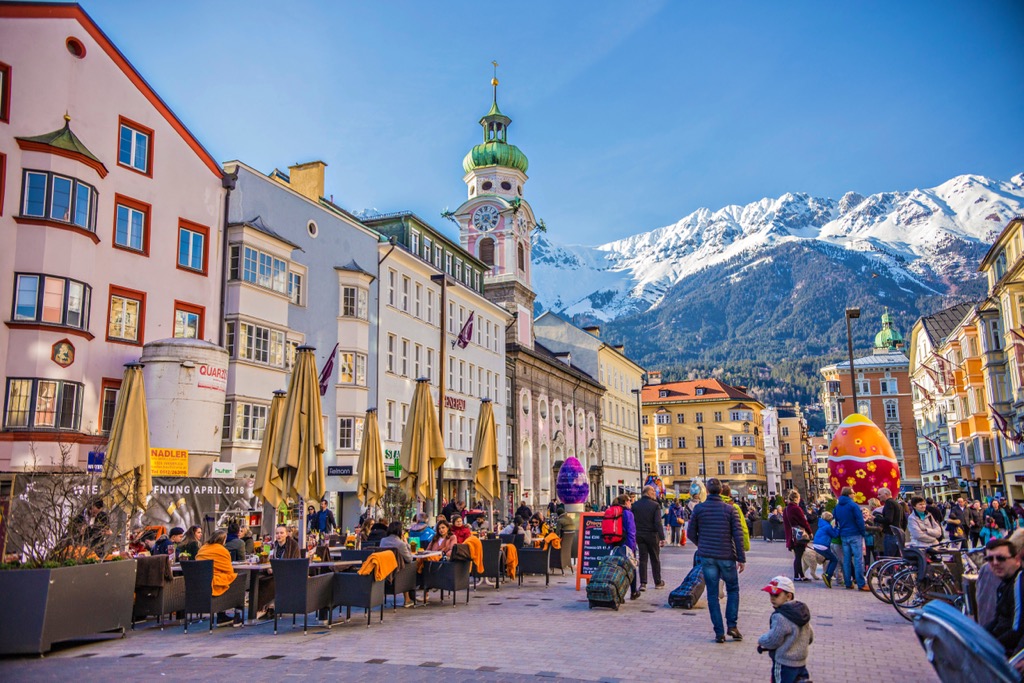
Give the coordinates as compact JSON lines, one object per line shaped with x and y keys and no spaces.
{"x":592,"y":548}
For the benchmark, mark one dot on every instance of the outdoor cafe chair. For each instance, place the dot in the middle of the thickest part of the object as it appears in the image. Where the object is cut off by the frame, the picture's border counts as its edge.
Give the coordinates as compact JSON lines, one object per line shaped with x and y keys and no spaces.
{"x":534,"y":561}
{"x":518,"y":540}
{"x":350,"y":589}
{"x":493,"y":565}
{"x":199,"y":597}
{"x":350,"y":554}
{"x":403,"y":580}
{"x":446,"y":575}
{"x":296,"y":592}
{"x":155,"y":597}
{"x":561,"y":559}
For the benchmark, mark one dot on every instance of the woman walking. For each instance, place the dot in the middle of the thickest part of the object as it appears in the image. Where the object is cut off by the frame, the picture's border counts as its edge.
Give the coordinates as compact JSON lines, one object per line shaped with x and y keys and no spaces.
{"x":798,"y":533}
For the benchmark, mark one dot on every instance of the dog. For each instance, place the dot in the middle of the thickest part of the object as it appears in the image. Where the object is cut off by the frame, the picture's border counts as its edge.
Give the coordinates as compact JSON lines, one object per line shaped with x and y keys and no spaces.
{"x":812,"y":560}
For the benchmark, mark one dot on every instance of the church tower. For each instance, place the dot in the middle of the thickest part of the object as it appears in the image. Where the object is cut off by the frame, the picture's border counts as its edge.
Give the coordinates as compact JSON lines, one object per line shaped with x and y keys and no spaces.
{"x":495,"y":221}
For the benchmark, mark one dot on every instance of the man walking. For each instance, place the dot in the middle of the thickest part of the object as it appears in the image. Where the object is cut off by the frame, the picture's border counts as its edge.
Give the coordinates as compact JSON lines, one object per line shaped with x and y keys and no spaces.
{"x":975,"y":520}
{"x":675,"y":521}
{"x":325,"y":523}
{"x":892,"y":518}
{"x":650,"y":535}
{"x":850,"y":521}
{"x":957,"y":523}
{"x":715,"y":528}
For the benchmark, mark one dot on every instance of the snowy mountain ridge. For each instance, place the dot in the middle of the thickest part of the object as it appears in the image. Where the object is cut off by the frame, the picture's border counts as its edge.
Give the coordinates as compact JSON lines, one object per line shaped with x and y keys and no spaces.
{"x":914,"y":238}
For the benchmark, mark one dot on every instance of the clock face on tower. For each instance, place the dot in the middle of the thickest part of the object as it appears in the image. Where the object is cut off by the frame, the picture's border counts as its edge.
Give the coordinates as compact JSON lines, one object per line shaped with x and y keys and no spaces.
{"x":485,"y":218}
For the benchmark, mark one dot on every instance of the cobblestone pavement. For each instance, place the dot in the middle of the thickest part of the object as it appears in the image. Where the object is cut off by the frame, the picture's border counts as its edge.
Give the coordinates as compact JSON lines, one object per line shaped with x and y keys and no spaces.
{"x":528,"y":634}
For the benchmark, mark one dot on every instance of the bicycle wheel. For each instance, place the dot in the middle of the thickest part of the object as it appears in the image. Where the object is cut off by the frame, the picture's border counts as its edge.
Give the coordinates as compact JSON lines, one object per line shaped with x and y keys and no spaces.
{"x":882,"y":579}
{"x":905,"y":593}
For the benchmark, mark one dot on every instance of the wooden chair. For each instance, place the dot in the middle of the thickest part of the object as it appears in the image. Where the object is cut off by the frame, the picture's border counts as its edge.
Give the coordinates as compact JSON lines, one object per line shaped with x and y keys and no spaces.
{"x":535,"y":561}
{"x":296,"y":592}
{"x":199,"y":598}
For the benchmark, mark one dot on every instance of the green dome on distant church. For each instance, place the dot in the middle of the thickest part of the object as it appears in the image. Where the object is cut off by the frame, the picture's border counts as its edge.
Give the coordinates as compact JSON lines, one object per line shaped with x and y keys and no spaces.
{"x":495,"y":149}
{"x":889,"y":337}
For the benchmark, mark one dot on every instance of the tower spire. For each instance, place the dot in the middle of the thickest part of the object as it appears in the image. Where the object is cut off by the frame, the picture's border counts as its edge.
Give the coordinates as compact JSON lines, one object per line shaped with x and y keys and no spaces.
{"x":494,"y":82}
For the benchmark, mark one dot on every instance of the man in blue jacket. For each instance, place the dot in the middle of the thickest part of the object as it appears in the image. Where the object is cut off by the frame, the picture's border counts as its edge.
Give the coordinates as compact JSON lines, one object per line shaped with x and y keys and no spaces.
{"x":715,"y":528}
{"x":850,"y":521}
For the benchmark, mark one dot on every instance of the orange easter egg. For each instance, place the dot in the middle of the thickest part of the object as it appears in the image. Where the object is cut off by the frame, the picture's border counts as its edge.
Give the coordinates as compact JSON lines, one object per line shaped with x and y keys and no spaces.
{"x":861,"y":457}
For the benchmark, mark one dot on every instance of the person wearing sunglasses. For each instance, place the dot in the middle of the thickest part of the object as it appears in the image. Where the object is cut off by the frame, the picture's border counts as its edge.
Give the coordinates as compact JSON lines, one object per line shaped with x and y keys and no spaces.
{"x":1008,"y":625}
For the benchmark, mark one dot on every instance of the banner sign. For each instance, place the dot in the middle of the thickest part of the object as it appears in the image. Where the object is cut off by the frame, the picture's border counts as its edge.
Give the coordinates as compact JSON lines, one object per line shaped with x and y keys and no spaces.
{"x":168,"y":462}
{"x":210,"y":377}
{"x":592,"y":548}
{"x":209,"y":503}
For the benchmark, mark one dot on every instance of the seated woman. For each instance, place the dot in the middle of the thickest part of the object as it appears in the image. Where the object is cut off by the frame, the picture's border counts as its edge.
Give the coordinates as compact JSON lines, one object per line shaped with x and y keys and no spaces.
{"x":377,"y":533}
{"x":421,"y":531}
{"x":394,"y":540}
{"x":516,"y":527}
{"x":444,"y":540}
{"x":364,"y":532}
{"x":285,"y":547}
{"x":460,"y":530}
{"x":223,"y":573}
{"x":538,"y":527}
{"x":189,"y":546}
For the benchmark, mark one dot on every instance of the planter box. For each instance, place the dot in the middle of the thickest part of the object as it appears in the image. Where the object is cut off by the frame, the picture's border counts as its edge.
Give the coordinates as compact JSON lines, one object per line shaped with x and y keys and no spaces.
{"x":45,"y":606}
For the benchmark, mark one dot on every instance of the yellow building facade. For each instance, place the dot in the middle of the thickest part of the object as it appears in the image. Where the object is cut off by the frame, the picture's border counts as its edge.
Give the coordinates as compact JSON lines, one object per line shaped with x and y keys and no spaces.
{"x":687,"y":424}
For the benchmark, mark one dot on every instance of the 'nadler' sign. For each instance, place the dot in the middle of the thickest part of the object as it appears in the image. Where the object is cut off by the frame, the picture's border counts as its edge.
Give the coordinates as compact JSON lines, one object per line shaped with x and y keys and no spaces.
{"x":454,"y":403}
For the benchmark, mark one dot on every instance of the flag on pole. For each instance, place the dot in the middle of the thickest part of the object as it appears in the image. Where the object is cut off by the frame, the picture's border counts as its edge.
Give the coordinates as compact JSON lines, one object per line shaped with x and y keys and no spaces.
{"x":466,"y":334}
{"x":935,"y":445}
{"x":1004,"y":428}
{"x":325,"y":374}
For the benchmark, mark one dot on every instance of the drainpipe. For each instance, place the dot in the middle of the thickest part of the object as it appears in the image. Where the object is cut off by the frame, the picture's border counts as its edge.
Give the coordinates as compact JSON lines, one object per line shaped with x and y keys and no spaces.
{"x":227,"y":181}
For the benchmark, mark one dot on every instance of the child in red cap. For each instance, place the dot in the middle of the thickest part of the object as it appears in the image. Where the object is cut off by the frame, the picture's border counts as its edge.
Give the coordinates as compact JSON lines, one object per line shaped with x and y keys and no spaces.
{"x":790,"y":634}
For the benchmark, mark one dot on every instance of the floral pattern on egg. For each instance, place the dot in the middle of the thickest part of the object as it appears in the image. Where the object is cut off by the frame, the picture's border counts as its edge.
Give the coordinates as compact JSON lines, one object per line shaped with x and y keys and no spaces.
{"x":861,"y":457}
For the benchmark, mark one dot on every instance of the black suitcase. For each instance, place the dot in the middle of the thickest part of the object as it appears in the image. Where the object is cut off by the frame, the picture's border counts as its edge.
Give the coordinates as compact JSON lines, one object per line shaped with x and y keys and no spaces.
{"x":689,"y":591}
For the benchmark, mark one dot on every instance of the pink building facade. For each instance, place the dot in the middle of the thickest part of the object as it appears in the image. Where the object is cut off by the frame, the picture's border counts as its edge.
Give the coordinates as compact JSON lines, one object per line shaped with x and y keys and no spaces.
{"x":111,"y":217}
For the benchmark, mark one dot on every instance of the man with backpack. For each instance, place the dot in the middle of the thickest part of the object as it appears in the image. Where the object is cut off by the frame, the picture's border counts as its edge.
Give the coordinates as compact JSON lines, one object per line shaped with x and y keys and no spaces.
{"x":650,"y":535}
{"x":618,"y":528}
{"x":715,"y":528}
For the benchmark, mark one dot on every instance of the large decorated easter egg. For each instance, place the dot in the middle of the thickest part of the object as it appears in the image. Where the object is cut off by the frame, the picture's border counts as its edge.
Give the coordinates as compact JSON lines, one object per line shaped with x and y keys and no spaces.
{"x":861,"y":457}
{"x":572,"y":484}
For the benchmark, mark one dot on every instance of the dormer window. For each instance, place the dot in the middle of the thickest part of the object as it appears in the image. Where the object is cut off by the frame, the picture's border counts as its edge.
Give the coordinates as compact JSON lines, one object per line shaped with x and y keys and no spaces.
{"x":699,"y":391}
{"x":663,"y":393}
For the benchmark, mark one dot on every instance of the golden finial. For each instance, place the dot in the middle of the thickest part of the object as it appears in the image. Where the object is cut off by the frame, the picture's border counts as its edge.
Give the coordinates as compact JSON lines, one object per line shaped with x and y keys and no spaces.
{"x":67,"y":117}
{"x":494,"y":80}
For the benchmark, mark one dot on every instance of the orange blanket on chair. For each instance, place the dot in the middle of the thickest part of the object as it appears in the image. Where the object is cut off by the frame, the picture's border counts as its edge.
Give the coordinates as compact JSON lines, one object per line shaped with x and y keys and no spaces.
{"x":552,"y":540}
{"x":223,"y":573}
{"x":511,"y":560}
{"x":380,"y":564}
{"x":476,"y":553}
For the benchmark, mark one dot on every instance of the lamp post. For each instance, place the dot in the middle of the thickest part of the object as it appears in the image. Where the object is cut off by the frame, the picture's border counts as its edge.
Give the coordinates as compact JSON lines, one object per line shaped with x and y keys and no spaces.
{"x":640,"y":437}
{"x":703,"y":460}
{"x":851,"y":313}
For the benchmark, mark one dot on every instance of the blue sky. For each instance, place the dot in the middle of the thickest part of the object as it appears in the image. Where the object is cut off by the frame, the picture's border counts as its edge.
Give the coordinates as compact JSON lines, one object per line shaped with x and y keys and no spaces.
{"x":633,"y":114}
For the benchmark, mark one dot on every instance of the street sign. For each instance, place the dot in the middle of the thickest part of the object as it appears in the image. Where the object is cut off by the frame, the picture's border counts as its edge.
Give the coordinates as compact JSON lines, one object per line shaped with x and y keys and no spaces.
{"x":95,"y":464}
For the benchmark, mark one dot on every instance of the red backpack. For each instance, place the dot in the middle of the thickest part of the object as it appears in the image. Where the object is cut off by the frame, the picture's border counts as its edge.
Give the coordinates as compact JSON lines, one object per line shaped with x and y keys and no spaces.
{"x":611,"y":525}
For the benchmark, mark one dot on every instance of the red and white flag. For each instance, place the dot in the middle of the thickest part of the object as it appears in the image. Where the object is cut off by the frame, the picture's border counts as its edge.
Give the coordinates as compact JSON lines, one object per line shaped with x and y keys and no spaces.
{"x":325,"y":374}
{"x":1004,"y":428}
{"x":466,"y":334}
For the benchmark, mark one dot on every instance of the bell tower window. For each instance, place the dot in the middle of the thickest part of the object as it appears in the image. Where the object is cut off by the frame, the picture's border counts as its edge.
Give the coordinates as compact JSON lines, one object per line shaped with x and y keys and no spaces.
{"x":487,"y":251}
{"x":522,"y":256}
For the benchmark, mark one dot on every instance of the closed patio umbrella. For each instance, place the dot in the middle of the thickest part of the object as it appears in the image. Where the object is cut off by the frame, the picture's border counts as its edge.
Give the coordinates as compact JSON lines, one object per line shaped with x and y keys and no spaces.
{"x":373,"y":482}
{"x":299,"y":456}
{"x":485,"y":457}
{"x":126,"y":469}
{"x":268,"y":479}
{"x":422,"y":447}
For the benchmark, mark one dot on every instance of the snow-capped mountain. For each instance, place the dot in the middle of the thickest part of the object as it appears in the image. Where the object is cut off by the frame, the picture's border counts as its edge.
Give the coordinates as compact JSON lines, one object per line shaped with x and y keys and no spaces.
{"x":922,"y":241}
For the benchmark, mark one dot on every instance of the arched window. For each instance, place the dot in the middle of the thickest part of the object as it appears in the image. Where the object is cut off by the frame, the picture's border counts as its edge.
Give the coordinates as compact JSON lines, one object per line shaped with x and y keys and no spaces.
{"x":522,"y":257}
{"x":487,"y":251}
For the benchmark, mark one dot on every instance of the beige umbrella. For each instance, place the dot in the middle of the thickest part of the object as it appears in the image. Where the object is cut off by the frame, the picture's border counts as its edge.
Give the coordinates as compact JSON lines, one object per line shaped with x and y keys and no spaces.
{"x":485,"y":454}
{"x":126,"y":466}
{"x":373,"y":483}
{"x":422,"y":447}
{"x":269,"y":486}
{"x":300,"y":450}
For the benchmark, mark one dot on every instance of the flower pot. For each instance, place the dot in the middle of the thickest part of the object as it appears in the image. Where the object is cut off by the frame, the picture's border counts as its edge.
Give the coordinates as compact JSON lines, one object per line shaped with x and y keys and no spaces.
{"x":45,"y":606}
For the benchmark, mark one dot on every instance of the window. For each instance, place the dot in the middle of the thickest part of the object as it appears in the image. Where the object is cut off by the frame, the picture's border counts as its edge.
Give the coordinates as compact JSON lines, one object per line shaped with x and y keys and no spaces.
{"x":787,"y":449}
{"x":698,"y":418}
{"x":643,"y":420}
{"x":392,"y":343}
{"x":892,"y":411}
{"x":427,"y":248}
{"x":405,"y":358}
{"x":745,"y":467}
{"x":437,"y":256}
{"x":721,"y":467}
{"x":58,"y":198}
{"x":430,"y":364}
{"x":665,"y":469}
{"x":785,"y":431}
{"x":192,"y":240}
{"x":417,"y":361}
{"x":110,"y":388}
{"x":681,"y":442}
{"x":741,"y":415}
{"x":418,"y":301}
{"x":663,"y":418}
{"x":787,"y":466}
{"x":414,"y":242}
{"x":894,"y":440}
{"x":3,"y":178}
{"x":664,"y":442}
{"x":295,"y":291}
{"x":430,"y":306}
{"x":521,"y":256}
{"x":135,"y":147}
{"x":188,"y":321}
{"x":742,"y":441}
{"x":681,"y":418}
{"x":486,"y":247}
{"x":389,"y":421}
{"x":354,"y":302}
{"x":448,"y":262}
{"x":719,"y":441}
{"x":5,"y":92}
{"x":259,"y":268}
{"x":458,"y":269}
{"x":888,"y":386}
{"x":250,"y":421}
{"x":126,"y":315}
{"x":718,"y":416}
{"x":350,"y":433}
{"x":405,"y":293}
{"x":51,"y":300}
{"x":43,"y":404}
{"x":261,"y":345}
{"x":131,"y":225}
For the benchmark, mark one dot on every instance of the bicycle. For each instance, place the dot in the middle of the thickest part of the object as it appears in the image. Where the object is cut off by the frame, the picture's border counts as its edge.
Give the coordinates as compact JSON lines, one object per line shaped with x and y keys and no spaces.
{"x":939,"y":579}
{"x":880,"y":574}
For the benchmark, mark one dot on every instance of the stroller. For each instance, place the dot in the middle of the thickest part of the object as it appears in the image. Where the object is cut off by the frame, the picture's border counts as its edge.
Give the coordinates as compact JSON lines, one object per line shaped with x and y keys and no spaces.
{"x":959,"y":649}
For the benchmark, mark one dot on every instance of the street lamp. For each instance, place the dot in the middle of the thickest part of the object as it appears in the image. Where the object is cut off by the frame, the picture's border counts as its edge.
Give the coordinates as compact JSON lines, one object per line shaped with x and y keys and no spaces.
{"x":640,"y":437}
{"x":703,"y":460}
{"x":851,"y":313}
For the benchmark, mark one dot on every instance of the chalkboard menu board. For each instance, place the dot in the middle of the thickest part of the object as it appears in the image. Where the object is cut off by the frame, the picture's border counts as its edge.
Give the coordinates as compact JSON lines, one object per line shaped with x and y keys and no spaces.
{"x":592,"y":548}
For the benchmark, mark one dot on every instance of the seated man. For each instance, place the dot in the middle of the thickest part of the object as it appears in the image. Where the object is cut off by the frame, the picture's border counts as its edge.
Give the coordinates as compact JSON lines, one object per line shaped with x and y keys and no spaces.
{"x":234,"y":543}
{"x":1008,"y":625}
{"x":223,"y":573}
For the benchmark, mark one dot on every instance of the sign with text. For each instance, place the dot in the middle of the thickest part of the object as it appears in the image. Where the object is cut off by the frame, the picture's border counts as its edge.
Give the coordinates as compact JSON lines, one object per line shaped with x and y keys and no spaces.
{"x":339,"y":470}
{"x":210,"y":503}
{"x":167,"y":462}
{"x":592,"y":548}
{"x":210,"y":377}
{"x":95,"y":463}
{"x":222,"y":470}
{"x":454,"y":403}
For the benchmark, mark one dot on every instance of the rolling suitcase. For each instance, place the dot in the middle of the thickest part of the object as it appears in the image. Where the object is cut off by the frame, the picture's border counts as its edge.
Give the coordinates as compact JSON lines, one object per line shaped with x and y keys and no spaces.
{"x":608,"y":586}
{"x":689,"y":591}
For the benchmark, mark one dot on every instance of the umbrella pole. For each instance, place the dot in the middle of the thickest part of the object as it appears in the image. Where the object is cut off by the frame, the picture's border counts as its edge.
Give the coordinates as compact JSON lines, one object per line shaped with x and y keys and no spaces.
{"x":302,"y":526}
